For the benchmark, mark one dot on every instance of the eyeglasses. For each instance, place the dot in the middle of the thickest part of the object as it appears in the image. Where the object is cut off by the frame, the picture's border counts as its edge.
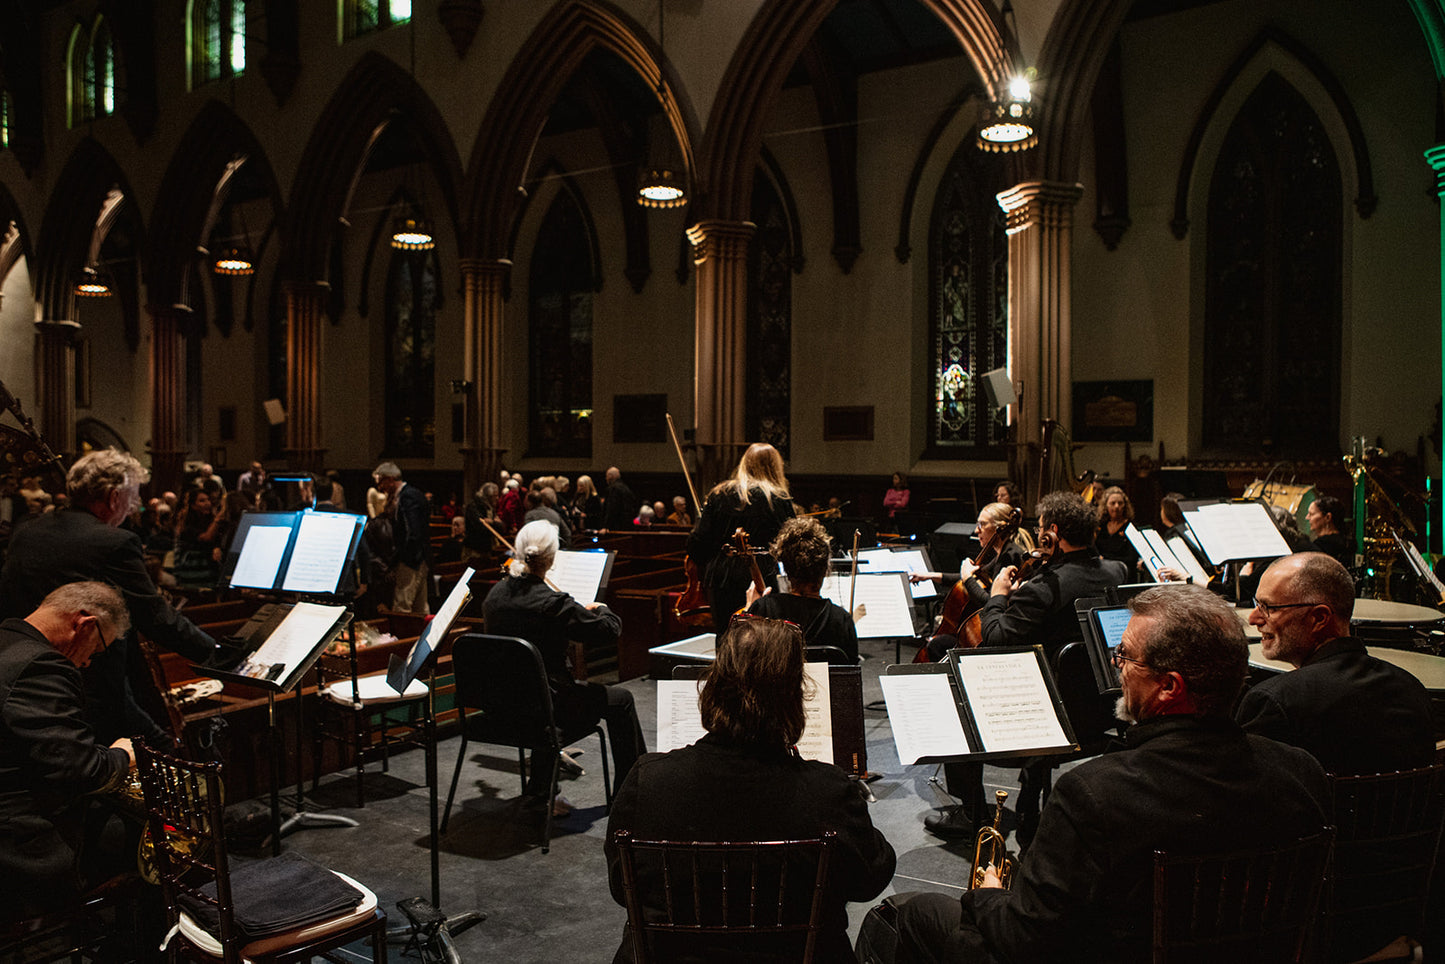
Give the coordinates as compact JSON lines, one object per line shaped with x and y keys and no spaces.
{"x":1117,"y":655}
{"x":1268,"y":608}
{"x":742,"y":615}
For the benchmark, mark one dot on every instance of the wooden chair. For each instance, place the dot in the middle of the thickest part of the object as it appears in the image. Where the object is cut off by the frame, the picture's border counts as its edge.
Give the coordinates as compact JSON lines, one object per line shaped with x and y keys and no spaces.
{"x":1253,"y":905}
{"x":720,"y":900}
{"x":503,"y":697}
{"x":102,"y":925}
{"x":1388,"y":829}
{"x":184,"y":811}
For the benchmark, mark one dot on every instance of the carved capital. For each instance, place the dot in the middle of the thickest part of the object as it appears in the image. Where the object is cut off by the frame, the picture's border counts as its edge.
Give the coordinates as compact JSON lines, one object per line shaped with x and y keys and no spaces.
{"x":1047,"y":203}
{"x":721,"y":240}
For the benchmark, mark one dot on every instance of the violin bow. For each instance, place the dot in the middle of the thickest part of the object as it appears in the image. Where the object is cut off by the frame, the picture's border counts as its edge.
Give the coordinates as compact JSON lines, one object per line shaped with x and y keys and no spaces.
{"x":512,"y":549}
{"x":853,"y":578}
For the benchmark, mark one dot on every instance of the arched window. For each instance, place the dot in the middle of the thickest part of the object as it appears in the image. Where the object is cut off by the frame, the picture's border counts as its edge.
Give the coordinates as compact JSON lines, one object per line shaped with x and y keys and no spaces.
{"x":91,"y":73}
{"x":4,"y":119}
{"x":363,"y":16}
{"x":1273,"y":297}
{"x":560,"y":333}
{"x":770,"y":320}
{"x":968,"y":310}
{"x":413,"y":296}
{"x":217,"y":39}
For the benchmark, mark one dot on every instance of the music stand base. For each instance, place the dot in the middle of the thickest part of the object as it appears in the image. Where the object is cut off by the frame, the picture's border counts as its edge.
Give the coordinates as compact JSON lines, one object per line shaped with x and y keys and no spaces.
{"x":312,"y":821}
{"x":428,"y":927}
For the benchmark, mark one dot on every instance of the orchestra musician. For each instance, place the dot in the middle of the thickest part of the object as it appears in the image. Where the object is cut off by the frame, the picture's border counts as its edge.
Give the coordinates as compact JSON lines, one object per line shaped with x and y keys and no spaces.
{"x":803,"y":550}
{"x":977,"y":577}
{"x":756,"y":500}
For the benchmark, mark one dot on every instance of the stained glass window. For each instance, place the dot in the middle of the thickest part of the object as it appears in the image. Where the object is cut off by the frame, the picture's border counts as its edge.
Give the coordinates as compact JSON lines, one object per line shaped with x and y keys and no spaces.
{"x":1273,"y":301}
{"x":364,"y":16}
{"x":218,"y":39}
{"x":412,"y":299}
{"x":97,"y":75}
{"x":770,"y":321}
{"x":968,"y":310}
{"x":560,"y":334}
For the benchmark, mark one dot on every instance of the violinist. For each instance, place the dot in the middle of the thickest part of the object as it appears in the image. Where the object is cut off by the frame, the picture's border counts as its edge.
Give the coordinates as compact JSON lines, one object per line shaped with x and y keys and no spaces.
{"x":755,"y":500}
{"x":802,"y":548}
{"x":1001,"y":544}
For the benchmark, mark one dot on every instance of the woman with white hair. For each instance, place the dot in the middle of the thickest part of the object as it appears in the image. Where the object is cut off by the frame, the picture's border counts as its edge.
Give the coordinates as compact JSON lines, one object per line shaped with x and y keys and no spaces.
{"x":523,"y":605}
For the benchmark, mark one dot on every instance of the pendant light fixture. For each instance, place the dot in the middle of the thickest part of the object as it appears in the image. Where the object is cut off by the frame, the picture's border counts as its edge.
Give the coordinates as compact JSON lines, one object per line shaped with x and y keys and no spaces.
{"x":1008,"y":122}
{"x":660,"y":186}
{"x":412,"y":231}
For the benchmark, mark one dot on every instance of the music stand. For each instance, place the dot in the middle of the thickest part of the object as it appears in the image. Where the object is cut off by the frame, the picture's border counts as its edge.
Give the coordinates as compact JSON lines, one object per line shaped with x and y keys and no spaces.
{"x":427,"y":922}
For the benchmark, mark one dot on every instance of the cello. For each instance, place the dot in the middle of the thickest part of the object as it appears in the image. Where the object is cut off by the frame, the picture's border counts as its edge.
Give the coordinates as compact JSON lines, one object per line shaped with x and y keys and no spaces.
{"x":961,"y":610}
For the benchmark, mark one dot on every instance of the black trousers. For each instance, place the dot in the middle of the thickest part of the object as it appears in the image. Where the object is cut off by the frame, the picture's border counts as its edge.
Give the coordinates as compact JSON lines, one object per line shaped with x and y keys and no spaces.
{"x":582,"y":705}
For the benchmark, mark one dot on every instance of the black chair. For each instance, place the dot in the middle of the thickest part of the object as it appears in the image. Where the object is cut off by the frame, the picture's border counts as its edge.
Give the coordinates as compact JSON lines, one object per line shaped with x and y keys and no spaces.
{"x":102,"y":925}
{"x":832,"y":655}
{"x":1255,"y":905}
{"x":185,"y":812}
{"x":688,"y":898}
{"x":503,"y":697}
{"x":1388,"y":828}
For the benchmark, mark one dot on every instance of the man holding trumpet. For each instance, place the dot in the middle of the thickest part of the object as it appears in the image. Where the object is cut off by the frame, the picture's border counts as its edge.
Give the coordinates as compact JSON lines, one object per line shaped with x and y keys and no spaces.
{"x":1187,"y":780}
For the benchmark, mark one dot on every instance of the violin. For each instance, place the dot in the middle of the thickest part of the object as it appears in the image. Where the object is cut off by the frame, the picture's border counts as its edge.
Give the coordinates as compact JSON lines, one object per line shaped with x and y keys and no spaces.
{"x":738,"y":546}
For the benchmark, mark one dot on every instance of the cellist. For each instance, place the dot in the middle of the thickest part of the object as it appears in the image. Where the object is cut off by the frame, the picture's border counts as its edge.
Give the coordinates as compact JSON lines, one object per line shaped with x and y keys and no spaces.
{"x":969,"y":589}
{"x":756,"y":500}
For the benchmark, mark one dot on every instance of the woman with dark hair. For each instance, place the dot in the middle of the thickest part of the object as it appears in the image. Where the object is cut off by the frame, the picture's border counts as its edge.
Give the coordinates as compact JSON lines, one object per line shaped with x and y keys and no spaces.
{"x":745,"y":781}
{"x":755,"y":500}
{"x":198,"y":542}
{"x":1325,"y":516}
{"x":803,"y":551}
{"x":895,"y":500}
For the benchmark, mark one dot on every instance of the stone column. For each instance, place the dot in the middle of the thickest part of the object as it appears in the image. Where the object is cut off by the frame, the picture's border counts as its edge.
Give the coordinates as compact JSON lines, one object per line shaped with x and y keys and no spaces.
{"x":1040,"y":226}
{"x":720,"y":251}
{"x":55,"y":384}
{"x":305,"y":312}
{"x":168,"y":397}
{"x":482,"y":309}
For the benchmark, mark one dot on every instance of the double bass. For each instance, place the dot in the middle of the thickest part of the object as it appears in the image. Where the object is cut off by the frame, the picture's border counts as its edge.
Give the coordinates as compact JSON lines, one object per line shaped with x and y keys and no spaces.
{"x":692,"y":608}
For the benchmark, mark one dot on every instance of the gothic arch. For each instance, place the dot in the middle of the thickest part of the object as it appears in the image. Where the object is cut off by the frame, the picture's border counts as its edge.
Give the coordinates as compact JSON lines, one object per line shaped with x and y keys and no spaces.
{"x":774,"y":40}
{"x":372,"y":95}
{"x":1272,"y":44}
{"x":1072,"y":55}
{"x":518,"y":111}
{"x":13,"y":249}
{"x":213,"y":140}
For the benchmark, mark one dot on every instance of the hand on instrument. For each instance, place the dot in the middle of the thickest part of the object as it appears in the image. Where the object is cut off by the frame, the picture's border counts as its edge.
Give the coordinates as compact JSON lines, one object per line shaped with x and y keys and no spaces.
{"x":1003,"y":583}
{"x":753,"y":595}
{"x":125,"y":744}
{"x":967,"y":568}
{"x":990,"y":878}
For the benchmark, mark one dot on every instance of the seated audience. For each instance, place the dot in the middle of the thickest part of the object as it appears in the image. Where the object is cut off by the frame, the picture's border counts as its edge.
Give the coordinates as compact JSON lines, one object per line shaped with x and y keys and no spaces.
{"x":523,"y":605}
{"x":1188,"y":780}
{"x":802,"y":548}
{"x":679,"y":516}
{"x":745,"y":781}
{"x":49,"y":757}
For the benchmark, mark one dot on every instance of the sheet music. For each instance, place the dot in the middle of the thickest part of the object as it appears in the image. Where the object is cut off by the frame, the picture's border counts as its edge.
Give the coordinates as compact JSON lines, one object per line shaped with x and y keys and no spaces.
{"x":399,"y":674}
{"x":303,"y":629}
{"x":901,"y":560}
{"x":816,"y":743}
{"x":323,"y":544}
{"x":579,"y":574}
{"x":1418,"y":563}
{"x":1011,"y":705}
{"x":1154,"y":560}
{"x":885,"y":594}
{"x":679,"y":722}
{"x":1180,"y":547}
{"x":261,"y":555}
{"x":924,"y":716}
{"x":1229,"y":531}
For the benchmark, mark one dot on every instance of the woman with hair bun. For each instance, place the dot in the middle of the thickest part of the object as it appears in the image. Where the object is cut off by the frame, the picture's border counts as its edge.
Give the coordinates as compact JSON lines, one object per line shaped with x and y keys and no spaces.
{"x":803,"y":550}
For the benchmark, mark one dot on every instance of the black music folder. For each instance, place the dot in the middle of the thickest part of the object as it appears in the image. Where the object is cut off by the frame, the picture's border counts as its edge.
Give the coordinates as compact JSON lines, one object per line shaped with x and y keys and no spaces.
{"x":277,"y":646}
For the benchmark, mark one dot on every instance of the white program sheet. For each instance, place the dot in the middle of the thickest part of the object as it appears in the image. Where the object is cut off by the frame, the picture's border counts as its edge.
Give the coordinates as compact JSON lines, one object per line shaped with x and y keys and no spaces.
{"x":899,"y":560}
{"x":261,"y":556}
{"x":323,"y":542}
{"x":885,"y":594}
{"x":579,"y":574}
{"x":923,"y":716}
{"x":298,"y":636}
{"x":1010,"y":702}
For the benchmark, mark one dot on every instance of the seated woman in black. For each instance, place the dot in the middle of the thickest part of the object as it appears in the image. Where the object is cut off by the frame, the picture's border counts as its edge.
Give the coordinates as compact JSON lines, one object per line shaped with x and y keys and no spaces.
{"x":802,"y":549}
{"x":1012,"y":551}
{"x":1115,"y":514}
{"x":745,"y":781}
{"x":523,"y":605}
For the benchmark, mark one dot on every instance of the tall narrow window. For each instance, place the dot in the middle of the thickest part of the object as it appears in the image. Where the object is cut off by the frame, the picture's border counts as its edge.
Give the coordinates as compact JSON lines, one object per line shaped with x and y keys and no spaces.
{"x":98,"y":78}
{"x":968,"y":310}
{"x":217,"y":39}
{"x":363,"y":16}
{"x":4,"y":119}
{"x":1273,"y":295}
{"x":413,"y":296}
{"x":770,"y":320}
{"x":560,"y":333}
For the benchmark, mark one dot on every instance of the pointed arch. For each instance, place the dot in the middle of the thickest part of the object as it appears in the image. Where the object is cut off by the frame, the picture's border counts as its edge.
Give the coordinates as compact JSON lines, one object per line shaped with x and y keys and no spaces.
{"x":14,"y":246}
{"x":374,"y":93}
{"x":214,"y":139}
{"x":518,"y":111}
{"x":1070,"y":60}
{"x":1272,"y":41}
{"x":774,"y":40}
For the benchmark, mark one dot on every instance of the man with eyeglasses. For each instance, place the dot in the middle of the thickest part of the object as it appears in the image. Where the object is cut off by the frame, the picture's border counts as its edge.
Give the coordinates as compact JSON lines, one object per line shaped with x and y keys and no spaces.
{"x":1183,"y":778}
{"x":1355,"y":713}
{"x":49,"y":758}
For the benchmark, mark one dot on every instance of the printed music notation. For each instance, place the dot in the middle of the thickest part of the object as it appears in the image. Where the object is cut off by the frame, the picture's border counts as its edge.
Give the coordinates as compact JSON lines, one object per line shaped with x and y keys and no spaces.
{"x":1010,"y":702}
{"x":924,"y":716}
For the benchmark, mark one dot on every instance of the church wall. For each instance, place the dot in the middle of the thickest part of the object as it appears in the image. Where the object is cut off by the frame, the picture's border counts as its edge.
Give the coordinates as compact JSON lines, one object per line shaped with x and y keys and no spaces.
{"x":17,"y":333}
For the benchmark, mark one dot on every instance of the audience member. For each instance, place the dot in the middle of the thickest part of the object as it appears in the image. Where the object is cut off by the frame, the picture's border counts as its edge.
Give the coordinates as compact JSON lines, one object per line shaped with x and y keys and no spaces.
{"x":542,"y":504}
{"x":587,"y":506}
{"x":511,"y":507}
{"x":679,"y":516}
{"x":645,"y":516}
{"x":745,"y":781}
{"x":619,"y":506}
{"x":1187,"y":780}
{"x":479,"y":541}
{"x":206,"y":481}
{"x":49,"y":757}
{"x":895,"y":500}
{"x":413,"y":540}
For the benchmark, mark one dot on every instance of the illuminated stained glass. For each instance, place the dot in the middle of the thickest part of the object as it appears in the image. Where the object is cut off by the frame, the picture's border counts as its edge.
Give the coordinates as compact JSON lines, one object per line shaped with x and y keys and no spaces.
{"x":560,"y":334}
{"x":364,"y":16}
{"x":770,"y":321}
{"x":412,"y":300}
{"x":968,"y":323}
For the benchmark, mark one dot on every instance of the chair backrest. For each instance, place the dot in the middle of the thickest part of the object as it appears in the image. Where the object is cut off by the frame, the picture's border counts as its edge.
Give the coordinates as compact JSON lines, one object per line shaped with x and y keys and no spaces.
{"x":832,"y":655}
{"x":1252,"y":905}
{"x":1388,"y":828}
{"x":687,"y":896}
{"x":503,"y":682}
{"x":184,"y":814}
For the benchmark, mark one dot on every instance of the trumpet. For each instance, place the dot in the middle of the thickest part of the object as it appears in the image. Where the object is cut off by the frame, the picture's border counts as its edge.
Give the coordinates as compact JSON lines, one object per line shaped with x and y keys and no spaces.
{"x":990,"y":851}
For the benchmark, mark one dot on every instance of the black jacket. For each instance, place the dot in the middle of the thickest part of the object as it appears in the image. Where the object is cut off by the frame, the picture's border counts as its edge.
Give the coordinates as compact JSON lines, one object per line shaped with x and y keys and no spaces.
{"x":1041,"y":611}
{"x":725,"y":577}
{"x":718,"y":790}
